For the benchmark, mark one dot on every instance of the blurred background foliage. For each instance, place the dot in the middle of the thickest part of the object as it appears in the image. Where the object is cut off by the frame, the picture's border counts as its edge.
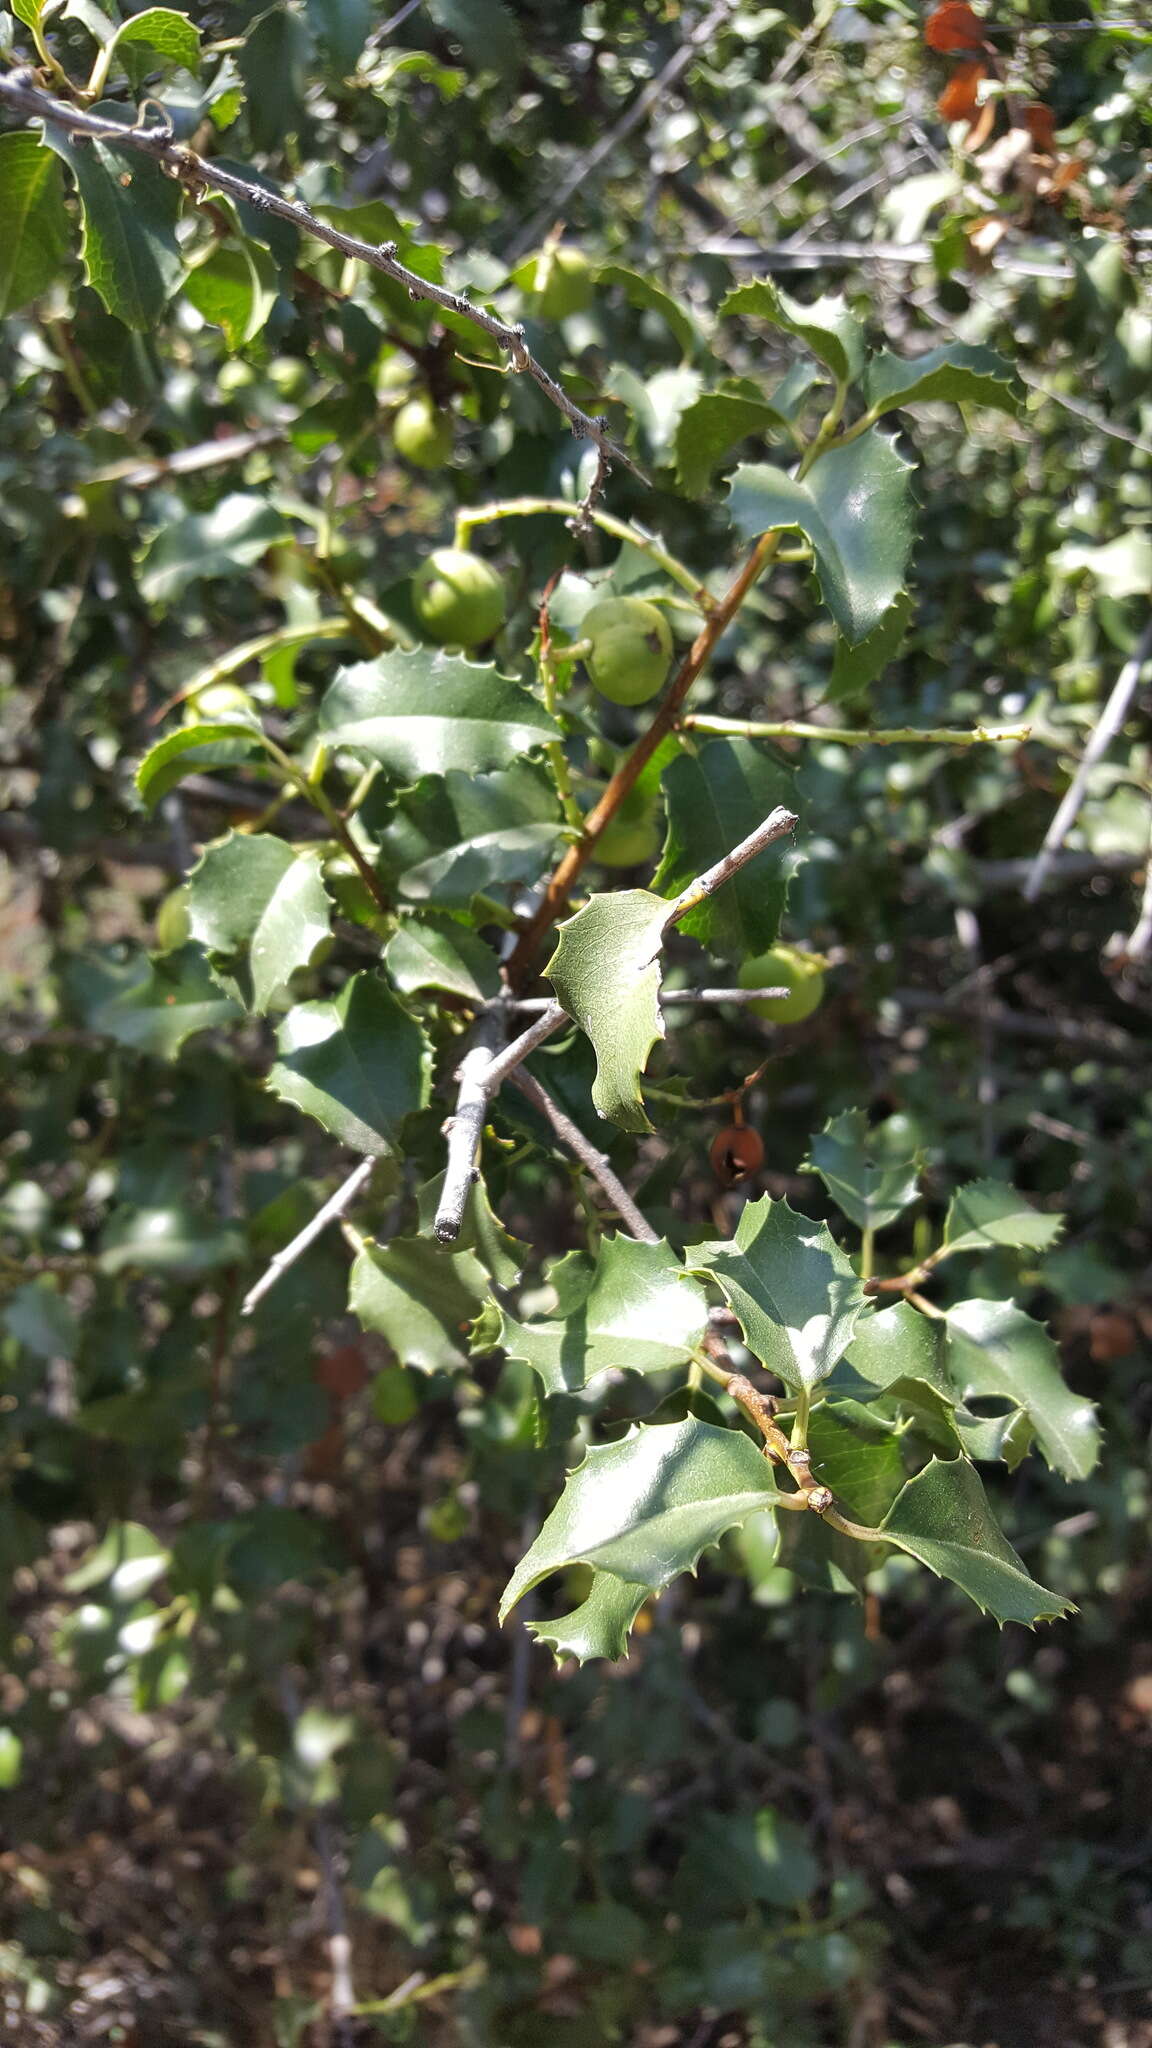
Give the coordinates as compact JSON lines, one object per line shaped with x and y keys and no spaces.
{"x":270,"y":1772}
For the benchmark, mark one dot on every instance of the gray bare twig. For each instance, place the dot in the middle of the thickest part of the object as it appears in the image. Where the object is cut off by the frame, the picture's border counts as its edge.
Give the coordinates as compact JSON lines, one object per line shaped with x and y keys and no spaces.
{"x":585,"y":1151}
{"x":333,"y":1207}
{"x":1107,"y":726}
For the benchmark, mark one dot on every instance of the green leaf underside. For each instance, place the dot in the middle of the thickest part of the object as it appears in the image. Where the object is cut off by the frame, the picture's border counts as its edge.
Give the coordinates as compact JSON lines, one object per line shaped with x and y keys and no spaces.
{"x":234,"y":289}
{"x":130,"y":211}
{"x":254,"y":892}
{"x":833,"y":334}
{"x":714,"y":799}
{"x":857,"y":1454}
{"x":646,"y":1507}
{"x":713,"y":425}
{"x":606,"y":973}
{"x":191,"y":750}
{"x":995,"y":1349}
{"x":635,"y":1312}
{"x":646,"y":296}
{"x":425,"y":713}
{"x":358,"y":1063}
{"x":447,"y":956}
{"x":855,"y":506}
{"x":942,"y":1517}
{"x":599,"y":1627}
{"x":989,"y":1212}
{"x":854,"y":668}
{"x":176,"y":997}
{"x":793,"y":1292}
{"x":37,"y":231}
{"x":420,"y":1298}
{"x":166,"y":32}
{"x":483,"y":867}
{"x":958,"y":373}
{"x":870,"y":1170}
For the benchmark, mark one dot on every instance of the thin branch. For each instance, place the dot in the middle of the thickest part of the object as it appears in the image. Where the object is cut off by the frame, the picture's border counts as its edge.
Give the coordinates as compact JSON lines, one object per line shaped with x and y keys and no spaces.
{"x":198,"y":175}
{"x":527,"y":1006}
{"x":465,"y":1126}
{"x":333,"y":1207}
{"x":185,"y":461}
{"x":847,"y":736}
{"x":774,"y":827}
{"x":631,"y":118}
{"x":1107,"y":726}
{"x":571,"y":1135}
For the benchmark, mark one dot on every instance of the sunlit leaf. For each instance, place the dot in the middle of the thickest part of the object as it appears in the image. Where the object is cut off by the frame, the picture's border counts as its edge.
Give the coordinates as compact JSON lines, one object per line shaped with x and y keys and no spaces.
{"x":995,"y":1349}
{"x":357,"y":1062}
{"x":943,"y":1518}
{"x":636,"y":1312}
{"x":795,"y":1295}
{"x":606,"y":972}
{"x":870,"y":1170}
{"x":714,"y":799}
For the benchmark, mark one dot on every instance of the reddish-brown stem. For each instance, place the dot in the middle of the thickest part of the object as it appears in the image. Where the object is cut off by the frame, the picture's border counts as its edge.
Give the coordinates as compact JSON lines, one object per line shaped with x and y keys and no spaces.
{"x":555,"y":897}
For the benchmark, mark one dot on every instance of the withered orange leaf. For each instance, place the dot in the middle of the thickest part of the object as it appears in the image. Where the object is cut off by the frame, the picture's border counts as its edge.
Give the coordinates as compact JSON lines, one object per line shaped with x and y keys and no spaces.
{"x":959,"y":101}
{"x":953,"y":26}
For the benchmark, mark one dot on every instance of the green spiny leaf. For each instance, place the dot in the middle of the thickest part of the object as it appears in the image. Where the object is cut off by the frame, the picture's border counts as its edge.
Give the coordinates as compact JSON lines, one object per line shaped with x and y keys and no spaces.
{"x":715,"y":799}
{"x":423,"y":713}
{"x":635,"y":1312}
{"x":706,"y":431}
{"x":176,"y":998}
{"x":854,"y":668}
{"x":994,"y":1348}
{"x":37,"y":231}
{"x":130,"y":210}
{"x":357,"y":1062}
{"x":234,"y":289}
{"x":870,"y":1170}
{"x":606,"y":972}
{"x":943,"y":1518}
{"x":253,"y":892}
{"x":957,"y":373}
{"x":989,"y":1212}
{"x":833,"y":334}
{"x":214,"y":744}
{"x":425,"y":954}
{"x":420,"y":1298}
{"x":795,"y":1295}
{"x":599,"y":1627}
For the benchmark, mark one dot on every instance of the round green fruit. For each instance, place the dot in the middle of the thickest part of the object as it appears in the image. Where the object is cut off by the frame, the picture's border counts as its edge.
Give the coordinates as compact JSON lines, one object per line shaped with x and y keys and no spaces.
{"x":218,"y":701}
{"x":234,"y":376}
{"x":632,"y":837}
{"x":562,"y":283}
{"x":802,"y":974}
{"x":422,"y":434}
{"x":288,"y":376}
{"x":630,"y":651}
{"x":458,"y":599}
{"x":173,"y":924}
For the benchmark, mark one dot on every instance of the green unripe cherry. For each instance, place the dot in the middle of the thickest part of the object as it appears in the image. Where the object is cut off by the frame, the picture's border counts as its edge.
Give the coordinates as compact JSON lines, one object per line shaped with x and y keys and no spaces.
{"x":631,"y":648}
{"x":217,"y":701}
{"x":234,"y":376}
{"x":422,"y":434}
{"x":289,"y":376}
{"x":632,"y":837}
{"x":562,"y":283}
{"x":173,"y":923}
{"x":802,"y":974}
{"x":458,"y":599}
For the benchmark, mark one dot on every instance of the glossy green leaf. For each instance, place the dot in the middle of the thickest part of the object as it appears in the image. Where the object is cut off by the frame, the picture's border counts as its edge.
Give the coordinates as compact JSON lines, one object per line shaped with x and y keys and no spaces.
{"x":159,"y":32}
{"x":943,"y":1518}
{"x":357,"y":1062}
{"x":426,"y":712}
{"x":191,"y":749}
{"x":466,"y":843}
{"x":855,"y":506}
{"x":714,"y":799}
{"x":870,"y":1170}
{"x":795,"y":1295}
{"x":273,"y":61}
{"x":341,"y":29}
{"x":606,"y":972}
{"x":423,"y":954}
{"x":484,"y":868}
{"x":599,"y":1627}
{"x":646,"y":1507}
{"x":858,"y":1456}
{"x":635,"y":1311}
{"x":234,"y":289}
{"x":647,"y":297}
{"x":234,"y":535}
{"x":855,"y":668}
{"x":957,"y":373}
{"x":253,"y":893}
{"x":833,"y":334}
{"x":995,"y":1349}
{"x":175,"y":998}
{"x":713,"y":425}
{"x":37,"y":231}
{"x":900,"y":1352}
{"x":987,"y":1213}
{"x":420,"y":1298}
{"x":130,"y":209}
{"x":486,"y":31}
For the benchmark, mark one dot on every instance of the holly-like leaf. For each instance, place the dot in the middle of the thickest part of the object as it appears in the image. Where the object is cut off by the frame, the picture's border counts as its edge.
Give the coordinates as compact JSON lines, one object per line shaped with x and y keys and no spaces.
{"x":943,"y":1518}
{"x":192,"y":749}
{"x":648,"y":297}
{"x":176,"y":997}
{"x":987,"y":1213}
{"x":37,"y":231}
{"x":234,"y":535}
{"x":855,"y":506}
{"x":426,"y":712}
{"x":634,"y":1312}
{"x":357,"y":1062}
{"x":791,"y":1288}
{"x":870,"y":1170}
{"x":854,"y":668}
{"x":833,"y":334}
{"x":420,"y":1298}
{"x":130,"y":210}
{"x":252,"y":892}
{"x":858,"y":1455}
{"x":599,"y":1627}
{"x":424,"y":954}
{"x":606,"y":972}
{"x":958,"y":373}
{"x":159,"y":32}
{"x":715,"y":423}
{"x":714,"y":799}
{"x":234,"y":289}
{"x":646,"y":1507}
{"x":995,"y":1349}
{"x":902,"y":1353}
